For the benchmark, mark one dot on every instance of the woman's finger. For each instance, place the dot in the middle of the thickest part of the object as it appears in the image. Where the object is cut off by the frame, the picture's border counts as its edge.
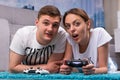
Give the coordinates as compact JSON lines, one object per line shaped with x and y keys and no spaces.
{"x":89,"y":66}
{"x":89,"y":71}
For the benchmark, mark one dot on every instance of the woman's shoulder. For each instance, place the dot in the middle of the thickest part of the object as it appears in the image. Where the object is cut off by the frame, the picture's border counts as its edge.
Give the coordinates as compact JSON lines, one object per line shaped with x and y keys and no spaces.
{"x":99,"y":30}
{"x":101,"y":34}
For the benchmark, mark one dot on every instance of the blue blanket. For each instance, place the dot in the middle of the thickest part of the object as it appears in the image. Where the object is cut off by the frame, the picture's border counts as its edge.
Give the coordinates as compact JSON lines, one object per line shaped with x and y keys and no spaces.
{"x":72,"y":76}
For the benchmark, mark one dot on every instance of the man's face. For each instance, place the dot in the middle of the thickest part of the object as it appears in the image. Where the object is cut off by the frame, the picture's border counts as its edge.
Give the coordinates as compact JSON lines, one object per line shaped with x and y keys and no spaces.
{"x":47,"y":28}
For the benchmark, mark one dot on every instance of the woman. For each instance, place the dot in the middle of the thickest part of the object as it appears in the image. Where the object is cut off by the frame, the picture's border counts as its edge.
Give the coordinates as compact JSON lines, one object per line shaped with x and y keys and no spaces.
{"x":85,"y":43}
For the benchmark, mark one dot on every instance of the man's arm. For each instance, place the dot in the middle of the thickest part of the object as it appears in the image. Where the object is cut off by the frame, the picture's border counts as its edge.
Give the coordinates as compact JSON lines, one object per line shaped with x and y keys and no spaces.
{"x":16,"y":66}
{"x":54,"y":62}
{"x":15,"y":63}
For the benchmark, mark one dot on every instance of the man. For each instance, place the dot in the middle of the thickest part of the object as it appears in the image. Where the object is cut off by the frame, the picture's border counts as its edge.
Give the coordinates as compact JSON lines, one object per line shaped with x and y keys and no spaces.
{"x":40,"y":46}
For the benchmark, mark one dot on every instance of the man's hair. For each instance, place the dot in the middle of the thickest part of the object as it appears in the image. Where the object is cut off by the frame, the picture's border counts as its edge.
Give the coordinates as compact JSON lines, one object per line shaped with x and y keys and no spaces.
{"x":50,"y":11}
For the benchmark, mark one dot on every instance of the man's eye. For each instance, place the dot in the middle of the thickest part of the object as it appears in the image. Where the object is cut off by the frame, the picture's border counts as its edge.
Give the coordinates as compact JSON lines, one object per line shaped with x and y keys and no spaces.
{"x":76,"y":24}
{"x":46,"y":23}
{"x":55,"y":25}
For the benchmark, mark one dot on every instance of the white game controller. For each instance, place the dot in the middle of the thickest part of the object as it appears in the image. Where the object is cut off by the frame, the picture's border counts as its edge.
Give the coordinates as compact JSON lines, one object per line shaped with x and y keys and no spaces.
{"x":36,"y":71}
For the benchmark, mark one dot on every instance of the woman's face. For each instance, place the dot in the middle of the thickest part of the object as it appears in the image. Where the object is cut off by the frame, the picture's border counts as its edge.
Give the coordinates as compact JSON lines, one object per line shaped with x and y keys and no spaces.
{"x":77,"y":27}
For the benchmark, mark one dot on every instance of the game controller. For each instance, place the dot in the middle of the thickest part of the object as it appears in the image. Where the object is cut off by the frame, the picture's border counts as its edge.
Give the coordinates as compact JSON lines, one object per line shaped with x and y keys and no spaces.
{"x":36,"y":71}
{"x":76,"y":63}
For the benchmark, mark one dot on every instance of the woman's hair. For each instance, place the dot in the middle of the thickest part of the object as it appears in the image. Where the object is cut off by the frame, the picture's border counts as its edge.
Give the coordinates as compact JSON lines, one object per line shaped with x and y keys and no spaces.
{"x":78,"y":12}
{"x":50,"y":11}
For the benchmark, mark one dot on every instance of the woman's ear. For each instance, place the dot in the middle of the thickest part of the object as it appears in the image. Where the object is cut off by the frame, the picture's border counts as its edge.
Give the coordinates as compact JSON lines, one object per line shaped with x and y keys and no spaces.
{"x":88,"y":24}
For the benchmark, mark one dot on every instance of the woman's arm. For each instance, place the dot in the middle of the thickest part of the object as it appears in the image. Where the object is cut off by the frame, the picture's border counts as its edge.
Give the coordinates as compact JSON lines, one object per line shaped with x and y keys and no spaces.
{"x":68,"y":52}
{"x":102,"y":59}
{"x":64,"y":69}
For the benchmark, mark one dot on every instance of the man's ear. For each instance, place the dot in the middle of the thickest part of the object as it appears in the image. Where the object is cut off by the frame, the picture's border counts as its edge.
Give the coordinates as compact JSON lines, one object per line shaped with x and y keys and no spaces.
{"x":36,"y":22}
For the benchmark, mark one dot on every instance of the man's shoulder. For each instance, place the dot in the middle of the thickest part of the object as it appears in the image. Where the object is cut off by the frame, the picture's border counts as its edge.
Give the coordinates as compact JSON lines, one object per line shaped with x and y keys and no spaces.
{"x":61,"y":30}
{"x":61,"y":35}
{"x":27,"y":29}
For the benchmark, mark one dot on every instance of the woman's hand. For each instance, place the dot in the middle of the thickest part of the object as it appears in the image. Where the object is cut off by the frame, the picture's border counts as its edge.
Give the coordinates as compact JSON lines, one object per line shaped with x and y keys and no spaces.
{"x":88,"y":69}
{"x":65,"y":69}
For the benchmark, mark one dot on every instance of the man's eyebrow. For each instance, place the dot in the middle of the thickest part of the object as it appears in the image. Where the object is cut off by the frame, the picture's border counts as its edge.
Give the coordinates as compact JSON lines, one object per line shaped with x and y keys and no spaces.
{"x":45,"y":20}
{"x":57,"y":22}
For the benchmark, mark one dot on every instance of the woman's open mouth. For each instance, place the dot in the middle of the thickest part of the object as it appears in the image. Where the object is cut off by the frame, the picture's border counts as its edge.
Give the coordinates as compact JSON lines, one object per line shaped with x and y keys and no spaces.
{"x":75,"y":36}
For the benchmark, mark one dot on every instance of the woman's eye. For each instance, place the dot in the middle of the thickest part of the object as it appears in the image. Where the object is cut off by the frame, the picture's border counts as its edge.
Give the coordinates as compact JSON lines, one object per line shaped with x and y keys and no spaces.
{"x":76,"y":24}
{"x":46,"y":23}
{"x":67,"y":26}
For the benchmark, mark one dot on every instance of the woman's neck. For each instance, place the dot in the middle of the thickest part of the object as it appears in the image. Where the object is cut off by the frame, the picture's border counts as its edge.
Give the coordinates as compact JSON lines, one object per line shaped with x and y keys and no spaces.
{"x":83,"y":46}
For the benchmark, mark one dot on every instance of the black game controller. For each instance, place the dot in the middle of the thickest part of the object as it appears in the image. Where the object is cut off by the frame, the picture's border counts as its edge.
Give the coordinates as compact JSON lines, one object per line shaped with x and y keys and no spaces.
{"x":76,"y":63}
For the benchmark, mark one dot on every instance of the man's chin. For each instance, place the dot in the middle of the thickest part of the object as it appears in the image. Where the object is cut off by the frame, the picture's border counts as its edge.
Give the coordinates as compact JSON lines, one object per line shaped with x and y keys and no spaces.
{"x":48,"y":39}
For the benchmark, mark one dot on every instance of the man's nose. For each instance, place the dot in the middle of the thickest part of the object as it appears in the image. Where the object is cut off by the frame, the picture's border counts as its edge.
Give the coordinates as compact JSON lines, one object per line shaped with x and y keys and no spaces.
{"x":50,"y":28}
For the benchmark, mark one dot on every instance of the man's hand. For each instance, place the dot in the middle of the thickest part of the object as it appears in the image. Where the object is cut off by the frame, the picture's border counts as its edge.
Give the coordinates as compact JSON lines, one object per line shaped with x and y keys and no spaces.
{"x":53,"y":67}
{"x":65,"y":69}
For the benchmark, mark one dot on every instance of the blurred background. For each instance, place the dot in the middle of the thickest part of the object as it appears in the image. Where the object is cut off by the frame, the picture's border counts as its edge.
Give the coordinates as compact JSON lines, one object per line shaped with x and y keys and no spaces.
{"x":93,"y":7}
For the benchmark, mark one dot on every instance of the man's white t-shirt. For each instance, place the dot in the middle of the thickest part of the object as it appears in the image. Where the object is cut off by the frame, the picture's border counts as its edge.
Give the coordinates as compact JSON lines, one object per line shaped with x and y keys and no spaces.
{"x":98,"y":38}
{"x":24,"y":43}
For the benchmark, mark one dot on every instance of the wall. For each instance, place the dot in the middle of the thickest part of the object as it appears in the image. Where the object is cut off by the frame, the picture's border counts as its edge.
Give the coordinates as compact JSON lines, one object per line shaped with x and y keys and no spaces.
{"x":10,"y":20}
{"x":111,"y":8}
{"x":4,"y":44}
{"x":17,"y":15}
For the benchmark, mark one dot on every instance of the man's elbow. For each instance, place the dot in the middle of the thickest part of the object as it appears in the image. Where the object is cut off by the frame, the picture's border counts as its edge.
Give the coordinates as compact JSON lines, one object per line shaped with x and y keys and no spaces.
{"x":12,"y":70}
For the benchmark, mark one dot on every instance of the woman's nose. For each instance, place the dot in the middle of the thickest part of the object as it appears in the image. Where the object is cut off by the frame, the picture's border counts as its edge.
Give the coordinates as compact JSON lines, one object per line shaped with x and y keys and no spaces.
{"x":72,"y":29}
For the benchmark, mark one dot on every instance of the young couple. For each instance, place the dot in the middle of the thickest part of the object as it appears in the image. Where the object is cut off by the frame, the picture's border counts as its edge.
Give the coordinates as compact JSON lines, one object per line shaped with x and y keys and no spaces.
{"x":46,"y":45}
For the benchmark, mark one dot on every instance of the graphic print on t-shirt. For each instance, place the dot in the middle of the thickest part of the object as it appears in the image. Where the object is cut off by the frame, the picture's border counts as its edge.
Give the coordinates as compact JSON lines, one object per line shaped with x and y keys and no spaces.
{"x":38,"y":55}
